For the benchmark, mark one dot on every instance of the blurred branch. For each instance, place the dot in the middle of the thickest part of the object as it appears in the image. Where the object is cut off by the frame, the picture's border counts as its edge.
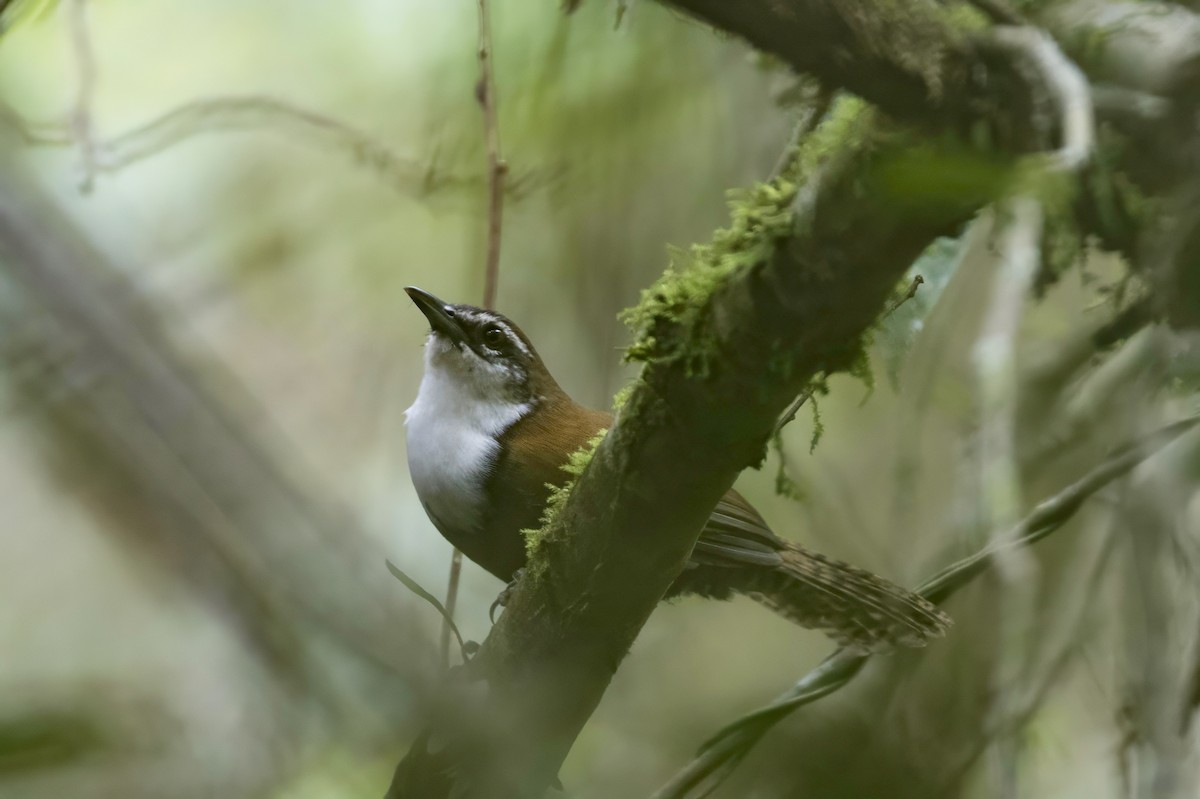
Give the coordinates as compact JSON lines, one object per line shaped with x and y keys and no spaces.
{"x":1077,"y":411}
{"x":1081,"y":590}
{"x":721,"y":753}
{"x":44,"y":728}
{"x":236,"y":516}
{"x":231,"y":114}
{"x":85,"y":67}
{"x":996,"y":374}
{"x":1051,"y":370}
{"x":1159,"y":610}
{"x":1062,"y":80}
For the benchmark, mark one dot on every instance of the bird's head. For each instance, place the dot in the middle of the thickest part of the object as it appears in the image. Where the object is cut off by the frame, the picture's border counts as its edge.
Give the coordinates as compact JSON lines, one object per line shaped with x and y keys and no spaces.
{"x":481,"y":353}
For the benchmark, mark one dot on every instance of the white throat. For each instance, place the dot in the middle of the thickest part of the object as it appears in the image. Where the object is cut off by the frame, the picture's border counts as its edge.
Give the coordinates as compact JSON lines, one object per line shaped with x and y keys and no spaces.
{"x":452,"y":427}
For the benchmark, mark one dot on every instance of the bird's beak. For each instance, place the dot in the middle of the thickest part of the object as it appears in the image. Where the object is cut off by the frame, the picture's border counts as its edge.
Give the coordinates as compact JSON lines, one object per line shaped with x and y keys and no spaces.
{"x":440,"y":316}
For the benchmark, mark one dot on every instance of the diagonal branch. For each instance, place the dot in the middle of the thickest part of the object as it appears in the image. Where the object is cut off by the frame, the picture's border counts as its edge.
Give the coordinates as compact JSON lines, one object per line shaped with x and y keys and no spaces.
{"x":721,"y":753}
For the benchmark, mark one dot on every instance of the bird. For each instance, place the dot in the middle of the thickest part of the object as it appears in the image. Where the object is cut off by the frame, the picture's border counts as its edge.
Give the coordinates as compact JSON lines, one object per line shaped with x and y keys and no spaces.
{"x":489,"y":431}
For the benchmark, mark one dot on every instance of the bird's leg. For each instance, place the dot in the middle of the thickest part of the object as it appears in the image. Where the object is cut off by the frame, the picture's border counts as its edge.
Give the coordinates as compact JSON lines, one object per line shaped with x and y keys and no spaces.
{"x":506,"y":594}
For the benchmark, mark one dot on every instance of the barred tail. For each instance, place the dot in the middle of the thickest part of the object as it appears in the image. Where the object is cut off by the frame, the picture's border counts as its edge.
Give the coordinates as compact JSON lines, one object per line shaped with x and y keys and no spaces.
{"x":859,"y":610}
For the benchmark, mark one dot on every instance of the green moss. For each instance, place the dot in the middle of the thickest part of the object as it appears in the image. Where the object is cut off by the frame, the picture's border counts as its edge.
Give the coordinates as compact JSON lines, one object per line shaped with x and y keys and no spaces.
{"x":818,"y":426}
{"x":760,"y":217}
{"x":536,"y":539}
{"x":848,"y":125}
{"x":785,"y":484}
{"x":670,"y":322}
{"x":621,"y":398}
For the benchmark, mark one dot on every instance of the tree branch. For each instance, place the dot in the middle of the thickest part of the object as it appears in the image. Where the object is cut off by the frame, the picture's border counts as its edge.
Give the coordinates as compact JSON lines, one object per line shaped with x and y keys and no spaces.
{"x":913,"y":60}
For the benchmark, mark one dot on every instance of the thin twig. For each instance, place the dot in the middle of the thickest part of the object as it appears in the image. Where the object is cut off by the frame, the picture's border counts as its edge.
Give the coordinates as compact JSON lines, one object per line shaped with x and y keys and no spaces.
{"x":451,"y":603}
{"x":448,"y":620}
{"x":252,"y":113}
{"x":81,"y":113}
{"x":908,"y":294}
{"x":726,"y":748}
{"x":485,"y":93}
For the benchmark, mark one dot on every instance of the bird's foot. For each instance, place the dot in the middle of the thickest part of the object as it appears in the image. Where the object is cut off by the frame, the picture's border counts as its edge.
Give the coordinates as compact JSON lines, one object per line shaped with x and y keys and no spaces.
{"x":506,"y":594}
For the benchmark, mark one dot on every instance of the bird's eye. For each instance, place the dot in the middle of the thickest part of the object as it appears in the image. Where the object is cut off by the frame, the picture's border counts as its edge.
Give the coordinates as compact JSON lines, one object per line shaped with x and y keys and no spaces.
{"x":493,"y":337}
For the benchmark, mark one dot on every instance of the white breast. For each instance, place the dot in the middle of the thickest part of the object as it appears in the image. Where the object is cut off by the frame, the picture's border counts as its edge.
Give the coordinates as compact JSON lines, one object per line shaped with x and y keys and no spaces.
{"x":452,"y":433}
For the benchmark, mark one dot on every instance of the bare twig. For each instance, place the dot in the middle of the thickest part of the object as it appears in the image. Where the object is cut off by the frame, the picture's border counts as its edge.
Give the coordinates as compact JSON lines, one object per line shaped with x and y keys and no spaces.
{"x":722,"y":752}
{"x":81,"y":113}
{"x":194,"y":449}
{"x":999,"y":12}
{"x":908,"y":294}
{"x":1149,"y":46}
{"x":248,"y":113}
{"x":450,"y":605}
{"x":485,"y":93}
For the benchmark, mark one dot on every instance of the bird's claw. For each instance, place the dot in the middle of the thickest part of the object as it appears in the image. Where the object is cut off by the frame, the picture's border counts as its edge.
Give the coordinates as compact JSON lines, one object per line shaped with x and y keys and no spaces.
{"x":505,"y":595}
